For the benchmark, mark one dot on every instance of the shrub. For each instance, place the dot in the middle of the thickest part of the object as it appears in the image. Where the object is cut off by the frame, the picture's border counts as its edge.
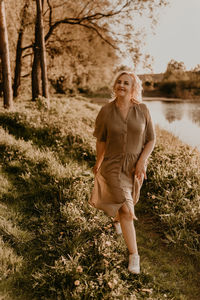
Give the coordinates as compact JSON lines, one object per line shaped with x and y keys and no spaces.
{"x":168,"y":88}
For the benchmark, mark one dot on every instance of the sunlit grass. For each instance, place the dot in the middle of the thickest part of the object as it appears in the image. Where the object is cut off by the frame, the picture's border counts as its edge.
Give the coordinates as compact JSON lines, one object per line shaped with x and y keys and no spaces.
{"x":9,"y":261}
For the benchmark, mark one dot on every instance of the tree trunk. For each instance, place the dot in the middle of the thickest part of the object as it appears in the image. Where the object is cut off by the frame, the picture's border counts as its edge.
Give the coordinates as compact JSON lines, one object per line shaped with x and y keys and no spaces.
{"x":18,"y":61}
{"x":5,"y":59}
{"x":42,"y":50}
{"x":17,"y":78}
{"x":36,"y":70}
{"x":39,"y":61}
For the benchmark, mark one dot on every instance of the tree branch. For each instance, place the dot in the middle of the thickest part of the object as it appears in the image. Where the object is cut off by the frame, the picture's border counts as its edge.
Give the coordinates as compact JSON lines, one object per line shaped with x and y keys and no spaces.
{"x":80,"y":21}
{"x":27,"y":47}
{"x":99,"y":34}
{"x":86,"y":5}
{"x":28,"y":54}
{"x":50,"y":12}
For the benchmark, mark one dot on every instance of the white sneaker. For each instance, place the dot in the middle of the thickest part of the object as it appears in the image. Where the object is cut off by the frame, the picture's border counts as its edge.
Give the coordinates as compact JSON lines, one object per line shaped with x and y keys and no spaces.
{"x":118,"y":228}
{"x":134,"y":263}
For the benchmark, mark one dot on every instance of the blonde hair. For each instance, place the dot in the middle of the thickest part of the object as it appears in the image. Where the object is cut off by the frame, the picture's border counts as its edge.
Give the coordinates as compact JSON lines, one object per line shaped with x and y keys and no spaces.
{"x":136,"y":86}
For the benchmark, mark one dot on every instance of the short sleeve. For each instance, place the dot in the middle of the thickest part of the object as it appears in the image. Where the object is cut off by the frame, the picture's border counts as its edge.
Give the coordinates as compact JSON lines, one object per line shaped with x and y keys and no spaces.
{"x":150,"y":130}
{"x":100,"y":131}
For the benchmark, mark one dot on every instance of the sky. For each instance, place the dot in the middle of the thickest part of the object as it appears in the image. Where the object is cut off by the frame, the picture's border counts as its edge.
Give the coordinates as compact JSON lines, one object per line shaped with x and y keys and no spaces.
{"x":176,"y":36}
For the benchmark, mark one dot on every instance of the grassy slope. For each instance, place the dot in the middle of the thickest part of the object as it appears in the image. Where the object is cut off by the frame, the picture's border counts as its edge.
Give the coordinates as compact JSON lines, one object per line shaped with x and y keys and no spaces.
{"x":54,"y":246}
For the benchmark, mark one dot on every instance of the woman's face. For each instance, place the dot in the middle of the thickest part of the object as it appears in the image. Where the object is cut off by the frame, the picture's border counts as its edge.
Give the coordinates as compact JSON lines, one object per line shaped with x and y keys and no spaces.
{"x":123,"y":86}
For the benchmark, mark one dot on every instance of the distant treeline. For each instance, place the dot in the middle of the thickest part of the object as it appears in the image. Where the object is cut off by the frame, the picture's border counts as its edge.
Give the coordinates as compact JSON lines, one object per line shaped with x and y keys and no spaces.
{"x":175,"y":82}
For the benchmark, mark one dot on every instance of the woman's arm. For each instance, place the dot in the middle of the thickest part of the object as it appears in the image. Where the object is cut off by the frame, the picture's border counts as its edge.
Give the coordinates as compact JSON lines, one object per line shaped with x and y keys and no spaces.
{"x":140,"y":169}
{"x":100,"y":151}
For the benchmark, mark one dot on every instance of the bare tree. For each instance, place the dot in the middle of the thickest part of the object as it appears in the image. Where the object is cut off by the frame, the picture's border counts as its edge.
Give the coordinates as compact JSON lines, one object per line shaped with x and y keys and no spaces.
{"x":5,"y":58}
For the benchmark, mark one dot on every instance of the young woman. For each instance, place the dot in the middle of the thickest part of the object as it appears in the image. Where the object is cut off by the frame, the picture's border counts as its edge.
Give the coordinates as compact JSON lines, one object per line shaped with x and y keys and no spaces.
{"x":125,"y":139}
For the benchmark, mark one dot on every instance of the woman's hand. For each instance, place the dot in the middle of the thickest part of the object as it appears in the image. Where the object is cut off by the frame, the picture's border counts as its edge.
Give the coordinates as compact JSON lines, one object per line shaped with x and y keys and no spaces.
{"x":141,"y":165}
{"x":140,"y":170}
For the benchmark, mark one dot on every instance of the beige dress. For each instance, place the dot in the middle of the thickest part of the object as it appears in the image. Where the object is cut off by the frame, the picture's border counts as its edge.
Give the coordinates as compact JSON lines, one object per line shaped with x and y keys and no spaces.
{"x":115,"y":183}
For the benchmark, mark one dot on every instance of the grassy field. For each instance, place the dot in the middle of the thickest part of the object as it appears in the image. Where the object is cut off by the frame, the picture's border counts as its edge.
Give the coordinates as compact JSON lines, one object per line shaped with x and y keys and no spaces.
{"x":55,"y":246}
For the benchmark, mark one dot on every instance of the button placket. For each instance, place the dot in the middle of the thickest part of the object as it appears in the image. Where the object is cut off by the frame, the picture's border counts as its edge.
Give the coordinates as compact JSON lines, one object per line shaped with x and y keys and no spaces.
{"x":125,"y":137}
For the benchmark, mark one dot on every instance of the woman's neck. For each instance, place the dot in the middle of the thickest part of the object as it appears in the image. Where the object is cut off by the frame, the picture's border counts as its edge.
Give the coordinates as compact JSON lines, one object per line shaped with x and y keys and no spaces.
{"x":123,"y":101}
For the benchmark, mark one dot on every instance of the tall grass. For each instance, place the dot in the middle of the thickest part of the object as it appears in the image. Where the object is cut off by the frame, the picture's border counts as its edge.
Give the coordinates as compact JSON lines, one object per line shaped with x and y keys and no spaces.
{"x":54,"y":244}
{"x":172,"y":192}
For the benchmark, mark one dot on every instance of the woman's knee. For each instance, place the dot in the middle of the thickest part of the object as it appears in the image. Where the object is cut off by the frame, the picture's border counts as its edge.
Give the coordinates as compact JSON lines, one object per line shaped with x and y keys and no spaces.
{"x":124,"y":212}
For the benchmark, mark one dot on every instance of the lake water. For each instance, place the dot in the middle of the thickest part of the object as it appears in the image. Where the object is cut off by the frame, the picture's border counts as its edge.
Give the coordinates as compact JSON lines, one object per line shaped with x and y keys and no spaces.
{"x":180,"y":118}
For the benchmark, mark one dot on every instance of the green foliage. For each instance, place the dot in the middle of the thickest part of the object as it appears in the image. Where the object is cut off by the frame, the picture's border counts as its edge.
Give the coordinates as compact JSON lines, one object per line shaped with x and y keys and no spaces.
{"x":176,"y":82}
{"x":56,"y":245}
{"x":168,"y":88}
{"x":185,"y":89}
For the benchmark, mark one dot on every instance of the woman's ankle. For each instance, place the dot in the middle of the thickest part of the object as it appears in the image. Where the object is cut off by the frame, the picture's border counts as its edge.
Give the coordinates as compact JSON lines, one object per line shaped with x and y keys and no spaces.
{"x":134,"y":253}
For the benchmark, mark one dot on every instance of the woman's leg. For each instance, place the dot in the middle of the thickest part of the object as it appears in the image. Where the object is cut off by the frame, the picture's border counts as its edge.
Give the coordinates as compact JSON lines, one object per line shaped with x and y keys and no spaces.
{"x":128,"y":229}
